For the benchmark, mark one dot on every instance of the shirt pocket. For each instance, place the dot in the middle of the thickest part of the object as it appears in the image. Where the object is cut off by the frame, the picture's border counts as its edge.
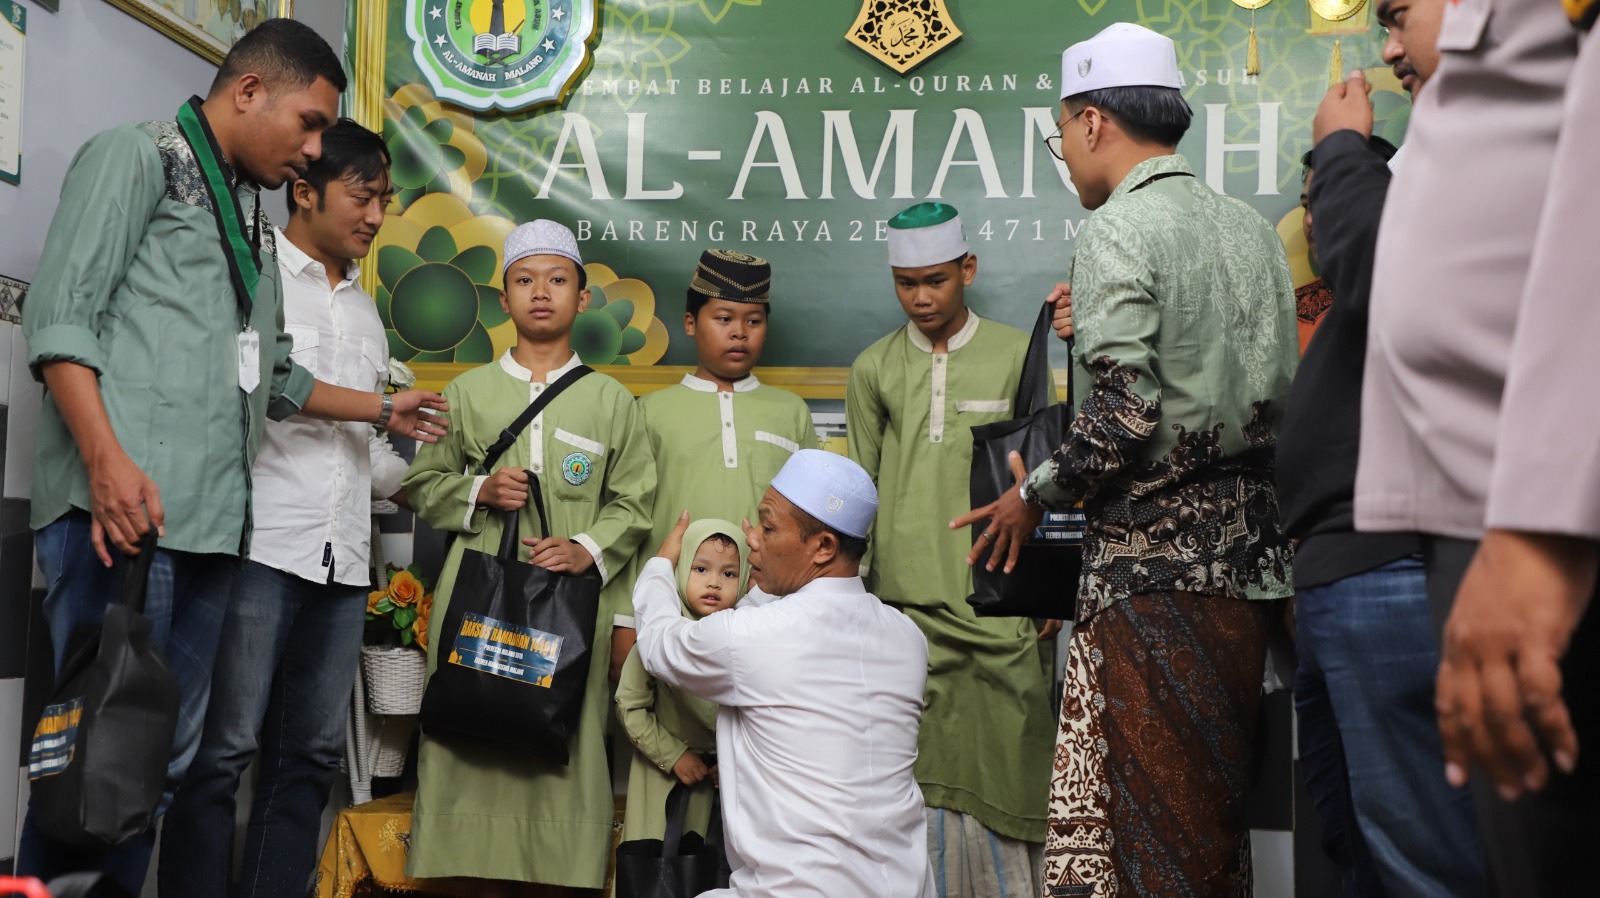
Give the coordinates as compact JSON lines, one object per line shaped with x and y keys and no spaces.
{"x":578,"y":468}
{"x":787,"y":445}
{"x":368,"y":369}
{"x":768,"y":453}
{"x":973,"y":412}
{"x":307,"y":347}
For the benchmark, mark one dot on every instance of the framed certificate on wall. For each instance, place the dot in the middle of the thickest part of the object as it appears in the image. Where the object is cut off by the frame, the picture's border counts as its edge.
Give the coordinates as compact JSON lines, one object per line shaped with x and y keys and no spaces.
{"x":208,"y":27}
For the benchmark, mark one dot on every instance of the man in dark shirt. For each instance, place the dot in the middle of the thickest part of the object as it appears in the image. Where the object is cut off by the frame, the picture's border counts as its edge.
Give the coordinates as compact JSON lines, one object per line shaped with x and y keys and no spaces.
{"x":1364,"y":691}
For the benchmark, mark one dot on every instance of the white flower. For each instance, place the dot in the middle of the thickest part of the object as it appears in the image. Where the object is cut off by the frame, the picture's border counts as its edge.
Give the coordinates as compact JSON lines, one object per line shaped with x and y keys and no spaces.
{"x":401,"y":377}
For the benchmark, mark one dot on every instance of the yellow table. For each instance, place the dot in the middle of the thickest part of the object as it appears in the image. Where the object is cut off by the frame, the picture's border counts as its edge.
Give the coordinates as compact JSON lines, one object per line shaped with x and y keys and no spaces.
{"x":367,"y":849}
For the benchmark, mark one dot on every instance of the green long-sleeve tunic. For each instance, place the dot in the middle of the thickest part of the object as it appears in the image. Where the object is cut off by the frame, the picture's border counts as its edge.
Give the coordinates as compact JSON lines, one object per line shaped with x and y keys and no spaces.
{"x":717,"y":451}
{"x":482,"y":811}
{"x":662,"y":723}
{"x":989,"y":729}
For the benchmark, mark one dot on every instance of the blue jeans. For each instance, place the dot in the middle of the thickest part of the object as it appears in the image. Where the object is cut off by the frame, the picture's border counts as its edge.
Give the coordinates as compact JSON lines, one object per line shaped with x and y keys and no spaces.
{"x":186,"y":603}
{"x":1364,"y":700}
{"x":284,"y":673}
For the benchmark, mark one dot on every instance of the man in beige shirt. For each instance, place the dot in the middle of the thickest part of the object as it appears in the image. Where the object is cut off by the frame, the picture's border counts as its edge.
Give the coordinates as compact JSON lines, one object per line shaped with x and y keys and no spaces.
{"x":1481,"y":435}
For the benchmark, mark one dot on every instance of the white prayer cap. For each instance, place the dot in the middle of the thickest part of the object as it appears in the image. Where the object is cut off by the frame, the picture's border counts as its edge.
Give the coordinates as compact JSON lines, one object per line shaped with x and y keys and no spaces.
{"x":831,"y":488}
{"x":542,"y":237}
{"x":1124,"y":55}
{"x":926,"y":234}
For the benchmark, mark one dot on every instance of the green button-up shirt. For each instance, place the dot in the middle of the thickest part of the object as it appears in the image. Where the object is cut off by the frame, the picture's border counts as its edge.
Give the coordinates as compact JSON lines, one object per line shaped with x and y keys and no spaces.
{"x":134,"y":284}
{"x":1186,"y":345}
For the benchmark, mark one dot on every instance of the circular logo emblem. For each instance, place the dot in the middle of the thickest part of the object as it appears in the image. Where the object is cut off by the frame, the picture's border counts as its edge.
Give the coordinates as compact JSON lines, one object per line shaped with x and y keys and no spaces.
{"x":576,"y":468}
{"x":834,"y":504}
{"x":506,"y":54}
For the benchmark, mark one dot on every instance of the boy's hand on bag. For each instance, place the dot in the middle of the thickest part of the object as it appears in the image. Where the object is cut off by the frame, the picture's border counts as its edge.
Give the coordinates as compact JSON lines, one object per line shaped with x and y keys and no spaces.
{"x":506,"y":489}
{"x":1061,"y":298}
{"x":558,"y":555}
{"x":690,"y":769}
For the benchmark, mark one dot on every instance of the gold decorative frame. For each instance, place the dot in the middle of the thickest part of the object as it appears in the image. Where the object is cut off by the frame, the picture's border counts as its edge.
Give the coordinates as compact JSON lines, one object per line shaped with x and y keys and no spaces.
{"x":185,"y":31}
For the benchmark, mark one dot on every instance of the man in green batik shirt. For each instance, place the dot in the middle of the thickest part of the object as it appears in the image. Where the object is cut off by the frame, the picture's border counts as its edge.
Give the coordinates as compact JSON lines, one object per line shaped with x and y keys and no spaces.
{"x":719,"y":435}
{"x":984,"y":752}
{"x":1186,"y":345}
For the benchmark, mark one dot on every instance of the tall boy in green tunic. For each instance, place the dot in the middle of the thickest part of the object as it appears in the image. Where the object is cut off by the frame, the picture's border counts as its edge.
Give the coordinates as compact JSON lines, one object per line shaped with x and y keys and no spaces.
{"x":482,"y":811}
{"x":719,"y":435}
{"x":984,"y":752}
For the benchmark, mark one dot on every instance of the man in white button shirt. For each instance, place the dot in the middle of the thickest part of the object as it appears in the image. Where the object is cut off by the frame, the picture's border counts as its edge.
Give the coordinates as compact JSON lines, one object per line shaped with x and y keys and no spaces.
{"x":820,"y":692}
{"x":292,"y":637}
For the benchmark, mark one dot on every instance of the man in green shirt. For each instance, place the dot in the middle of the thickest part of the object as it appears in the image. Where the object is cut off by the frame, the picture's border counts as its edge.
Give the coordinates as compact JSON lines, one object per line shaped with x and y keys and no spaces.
{"x":983,"y":756}
{"x":161,"y":348}
{"x":720,"y":435}
{"x":1186,"y":345}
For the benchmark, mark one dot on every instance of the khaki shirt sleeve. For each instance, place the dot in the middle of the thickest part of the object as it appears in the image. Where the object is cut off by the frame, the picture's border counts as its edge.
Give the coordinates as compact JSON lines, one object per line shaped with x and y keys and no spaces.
{"x":437,"y":489}
{"x":627,"y":497}
{"x":636,"y":701}
{"x":110,"y":194}
{"x":864,"y":415}
{"x":1117,"y":321}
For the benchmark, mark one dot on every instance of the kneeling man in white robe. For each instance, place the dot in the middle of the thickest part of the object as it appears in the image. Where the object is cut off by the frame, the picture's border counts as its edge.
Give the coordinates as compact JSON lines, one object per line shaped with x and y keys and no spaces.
{"x":820,"y":691}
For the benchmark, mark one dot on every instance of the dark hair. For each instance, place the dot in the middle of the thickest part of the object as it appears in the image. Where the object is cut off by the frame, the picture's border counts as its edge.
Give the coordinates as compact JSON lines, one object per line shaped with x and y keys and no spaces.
{"x":697,"y":301}
{"x":1305,"y":164}
{"x":349,"y":153}
{"x":721,"y":539}
{"x":283,"y":52}
{"x":851,"y":547}
{"x":1158,"y":115}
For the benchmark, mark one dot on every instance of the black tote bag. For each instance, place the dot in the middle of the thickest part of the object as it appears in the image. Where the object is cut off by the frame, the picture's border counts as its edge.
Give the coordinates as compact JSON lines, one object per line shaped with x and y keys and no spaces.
{"x":97,"y":765}
{"x":1044,"y":583}
{"x":514,"y":648}
{"x":680,"y":865}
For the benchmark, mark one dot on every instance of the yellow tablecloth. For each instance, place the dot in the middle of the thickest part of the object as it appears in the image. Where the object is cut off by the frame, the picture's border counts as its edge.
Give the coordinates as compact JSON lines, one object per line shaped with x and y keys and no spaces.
{"x":366,"y":855}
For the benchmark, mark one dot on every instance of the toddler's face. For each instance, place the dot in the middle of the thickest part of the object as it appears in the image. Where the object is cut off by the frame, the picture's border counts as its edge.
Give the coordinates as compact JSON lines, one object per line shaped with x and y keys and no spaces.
{"x":713,"y":577}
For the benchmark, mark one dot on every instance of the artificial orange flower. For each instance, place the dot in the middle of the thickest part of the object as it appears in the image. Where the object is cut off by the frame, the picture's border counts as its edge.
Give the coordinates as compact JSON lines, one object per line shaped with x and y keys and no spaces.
{"x":405,"y":589}
{"x":373,"y":598}
{"x":420,"y":626}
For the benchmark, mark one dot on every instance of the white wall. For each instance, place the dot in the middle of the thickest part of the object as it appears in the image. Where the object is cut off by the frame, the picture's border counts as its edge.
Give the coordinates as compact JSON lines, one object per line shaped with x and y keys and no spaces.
{"x":89,"y":67}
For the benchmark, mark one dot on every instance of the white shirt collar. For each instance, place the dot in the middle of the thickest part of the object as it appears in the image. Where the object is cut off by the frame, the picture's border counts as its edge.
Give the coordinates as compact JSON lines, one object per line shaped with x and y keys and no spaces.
{"x":510,"y":366}
{"x":296,"y":261}
{"x":834,"y":585}
{"x":707,"y":386}
{"x":957,"y":340}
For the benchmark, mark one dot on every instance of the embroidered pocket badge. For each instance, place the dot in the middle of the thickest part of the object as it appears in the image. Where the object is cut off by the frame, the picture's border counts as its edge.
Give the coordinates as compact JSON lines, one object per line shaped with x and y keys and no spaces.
{"x":576,"y":468}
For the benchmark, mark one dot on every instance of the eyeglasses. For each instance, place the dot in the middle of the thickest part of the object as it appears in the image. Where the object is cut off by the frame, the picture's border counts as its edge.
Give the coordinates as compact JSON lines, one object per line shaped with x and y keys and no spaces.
{"x":1053,"y":142}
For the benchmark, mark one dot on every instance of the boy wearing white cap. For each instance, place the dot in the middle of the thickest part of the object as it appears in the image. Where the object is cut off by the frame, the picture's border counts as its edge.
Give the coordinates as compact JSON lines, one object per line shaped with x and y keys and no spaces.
{"x":482,"y":811}
{"x":912,"y":399}
{"x":820,"y":694}
{"x":1186,"y":345}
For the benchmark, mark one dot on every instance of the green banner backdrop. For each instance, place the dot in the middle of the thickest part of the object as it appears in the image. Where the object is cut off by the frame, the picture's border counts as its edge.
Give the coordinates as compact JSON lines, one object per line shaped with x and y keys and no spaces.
{"x":754,"y":124}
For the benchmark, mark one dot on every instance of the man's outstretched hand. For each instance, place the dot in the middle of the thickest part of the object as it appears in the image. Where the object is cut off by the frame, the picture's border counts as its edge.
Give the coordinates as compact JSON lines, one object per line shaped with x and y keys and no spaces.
{"x":1011,"y":522}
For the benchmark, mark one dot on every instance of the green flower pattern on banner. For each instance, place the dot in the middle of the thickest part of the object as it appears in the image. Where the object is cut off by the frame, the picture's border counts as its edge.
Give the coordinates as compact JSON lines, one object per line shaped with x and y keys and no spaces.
{"x":463,"y":181}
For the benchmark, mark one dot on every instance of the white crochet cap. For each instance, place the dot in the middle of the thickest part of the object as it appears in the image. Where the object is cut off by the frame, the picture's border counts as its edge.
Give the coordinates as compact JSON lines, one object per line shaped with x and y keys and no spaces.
{"x":1123,"y":55}
{"x":542,"y":237}
{"x":831,"y":488}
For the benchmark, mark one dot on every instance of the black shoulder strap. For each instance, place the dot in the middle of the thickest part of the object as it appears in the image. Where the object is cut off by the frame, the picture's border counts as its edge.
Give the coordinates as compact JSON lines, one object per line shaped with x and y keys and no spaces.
{"x":515,"y":429}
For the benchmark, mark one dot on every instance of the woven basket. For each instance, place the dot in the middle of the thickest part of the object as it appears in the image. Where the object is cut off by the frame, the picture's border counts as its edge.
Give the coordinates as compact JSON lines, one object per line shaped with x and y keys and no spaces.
{"x":394,"y":678}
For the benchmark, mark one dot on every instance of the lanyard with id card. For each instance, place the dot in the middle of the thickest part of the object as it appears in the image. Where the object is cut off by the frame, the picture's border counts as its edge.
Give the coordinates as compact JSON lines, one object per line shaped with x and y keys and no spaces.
{"x":243,"y":268}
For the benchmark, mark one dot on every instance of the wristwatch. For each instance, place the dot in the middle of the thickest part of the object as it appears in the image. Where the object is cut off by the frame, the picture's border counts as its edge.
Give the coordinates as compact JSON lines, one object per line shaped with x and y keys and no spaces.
{"x":386,"y":413}
{"x":1030,"y":496}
